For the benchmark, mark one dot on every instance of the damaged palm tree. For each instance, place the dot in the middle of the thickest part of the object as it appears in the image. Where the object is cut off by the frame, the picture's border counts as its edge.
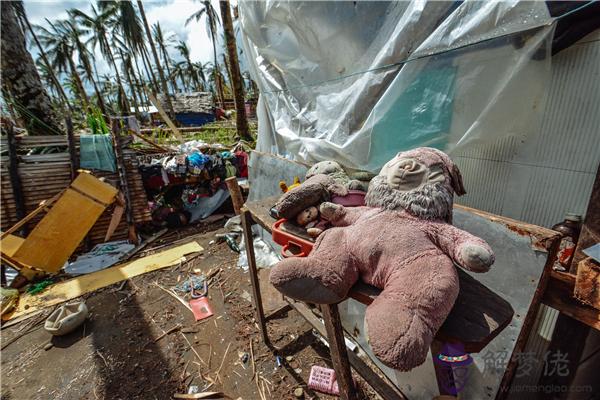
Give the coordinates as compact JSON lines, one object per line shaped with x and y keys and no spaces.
{"x":234,"y":71}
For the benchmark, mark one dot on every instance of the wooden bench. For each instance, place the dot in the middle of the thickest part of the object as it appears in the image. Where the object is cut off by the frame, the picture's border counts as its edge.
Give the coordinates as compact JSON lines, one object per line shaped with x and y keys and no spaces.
{"x":478,"y":316}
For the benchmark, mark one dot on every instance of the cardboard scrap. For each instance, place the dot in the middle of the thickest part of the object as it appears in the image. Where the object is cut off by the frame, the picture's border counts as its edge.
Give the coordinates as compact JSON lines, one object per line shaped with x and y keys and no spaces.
{"x":81,"y":285}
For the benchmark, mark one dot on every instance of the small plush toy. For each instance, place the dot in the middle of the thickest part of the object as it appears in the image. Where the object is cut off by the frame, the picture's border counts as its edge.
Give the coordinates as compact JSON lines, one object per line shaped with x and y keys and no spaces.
{"x":335,"y":170}
{"x":310,"y":219}
{"x":313,"y":191}
{"x":285,"y":188}
{"x":401,"y":242}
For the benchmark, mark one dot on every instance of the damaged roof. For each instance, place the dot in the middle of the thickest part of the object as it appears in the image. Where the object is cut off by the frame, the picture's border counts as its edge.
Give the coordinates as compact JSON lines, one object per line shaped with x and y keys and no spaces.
{"x":193,"y":102}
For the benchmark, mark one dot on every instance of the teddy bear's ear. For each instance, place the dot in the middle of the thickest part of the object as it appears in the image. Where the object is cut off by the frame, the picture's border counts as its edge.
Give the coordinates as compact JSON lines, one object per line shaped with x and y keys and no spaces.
{"x":457,"y":181}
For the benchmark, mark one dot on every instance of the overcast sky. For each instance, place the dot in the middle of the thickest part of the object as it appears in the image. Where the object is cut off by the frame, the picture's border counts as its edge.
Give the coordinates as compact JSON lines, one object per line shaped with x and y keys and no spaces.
{"x":172,"y":15}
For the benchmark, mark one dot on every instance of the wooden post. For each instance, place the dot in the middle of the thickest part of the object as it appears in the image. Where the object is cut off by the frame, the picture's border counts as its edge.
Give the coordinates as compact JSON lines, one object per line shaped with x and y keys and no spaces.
{"x":590,"y":231}
{"x":164,"y":115}
{"x":339,"y":354}
{"x":72,"y":147}
{"x":15,"y":178}
{"x":246,"y":218}
{"x":236,"y":194}
{"x":116,"y":135}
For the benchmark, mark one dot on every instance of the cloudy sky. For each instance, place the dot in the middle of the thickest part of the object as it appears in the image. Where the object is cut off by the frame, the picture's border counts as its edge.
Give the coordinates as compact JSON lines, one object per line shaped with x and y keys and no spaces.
{"x":172,"y":15}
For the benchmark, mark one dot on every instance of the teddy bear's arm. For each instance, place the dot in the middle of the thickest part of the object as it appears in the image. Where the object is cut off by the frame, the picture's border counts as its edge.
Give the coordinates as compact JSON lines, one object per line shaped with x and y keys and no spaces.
{"x":339,"y":215}
{"x":468,"y":251}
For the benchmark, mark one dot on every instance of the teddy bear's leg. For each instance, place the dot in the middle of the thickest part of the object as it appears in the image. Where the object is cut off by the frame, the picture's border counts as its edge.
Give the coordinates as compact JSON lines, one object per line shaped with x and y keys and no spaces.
{"x":404,"y":318}
{"x":324,"y":277}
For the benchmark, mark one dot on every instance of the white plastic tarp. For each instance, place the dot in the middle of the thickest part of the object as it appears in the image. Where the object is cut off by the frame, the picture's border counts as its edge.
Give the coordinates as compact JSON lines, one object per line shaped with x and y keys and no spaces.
{"x":360,"y":81}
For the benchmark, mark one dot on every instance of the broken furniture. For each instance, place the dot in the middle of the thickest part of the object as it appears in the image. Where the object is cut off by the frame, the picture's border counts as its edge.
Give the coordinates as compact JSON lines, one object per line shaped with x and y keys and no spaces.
{"x":70,"y":216}
{"x":479,"y":315}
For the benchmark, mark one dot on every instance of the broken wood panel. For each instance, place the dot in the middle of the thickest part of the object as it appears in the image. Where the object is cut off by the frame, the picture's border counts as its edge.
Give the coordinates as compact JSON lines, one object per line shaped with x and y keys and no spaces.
{"x":94,"y":188}
{"x":65,"y":291}
{"x":43,"y":180}
{"x":587,"y":283}
{"x":559,"y":295}
{"x":58,"y":234}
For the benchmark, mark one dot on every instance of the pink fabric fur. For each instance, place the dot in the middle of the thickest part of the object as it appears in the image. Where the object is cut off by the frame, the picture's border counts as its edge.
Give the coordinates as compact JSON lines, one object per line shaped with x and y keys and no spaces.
{"x":409,"y":257}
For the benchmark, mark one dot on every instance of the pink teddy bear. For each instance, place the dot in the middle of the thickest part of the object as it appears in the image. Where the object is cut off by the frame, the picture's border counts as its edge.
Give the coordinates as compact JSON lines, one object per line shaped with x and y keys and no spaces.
{"x":403,"y":243}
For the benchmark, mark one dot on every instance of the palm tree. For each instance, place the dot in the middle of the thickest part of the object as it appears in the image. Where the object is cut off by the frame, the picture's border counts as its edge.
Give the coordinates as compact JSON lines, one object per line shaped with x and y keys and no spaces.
{"x":161,"y":41}
{"x":190,"y":70}
{"x":20,"y":78}
{"x":98,"y":24}
{"x":84,"y":59}
{"x":200,"y":72}
{"x":212,"y":20}
{"x":235,"y":77}
{"x":180,"y":71}
{"x":161,"y":75}
{"x":127,"y":68}
{"x":58,"y":41}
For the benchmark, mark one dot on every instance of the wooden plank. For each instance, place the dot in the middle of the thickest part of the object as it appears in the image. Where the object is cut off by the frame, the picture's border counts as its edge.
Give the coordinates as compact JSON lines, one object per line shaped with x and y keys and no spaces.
{"x":236,"y":194}
{"x":57,"y":235}
{"x":164,"y":116}
{"x":559,"y":295}
{"x":122,"y":170}
{"x":65,"y":291}
{"x":374,"y":376}
{"x":590,"y":231}
{"x":73,"y":159}
{"x":337,"y":347}
{"x":246,"y":218}
{"x":587,"y":284}
{"x":10,"y":244}
{"x":15,"y":179}
{"x":95,"y":188}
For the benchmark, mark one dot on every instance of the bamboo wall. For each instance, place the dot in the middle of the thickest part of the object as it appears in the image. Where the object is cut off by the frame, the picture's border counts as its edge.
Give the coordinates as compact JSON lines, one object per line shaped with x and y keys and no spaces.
{"x":44,"y":175}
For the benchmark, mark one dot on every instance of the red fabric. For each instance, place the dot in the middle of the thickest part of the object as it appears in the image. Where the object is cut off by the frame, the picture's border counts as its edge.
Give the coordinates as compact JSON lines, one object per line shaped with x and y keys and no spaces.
{"x":242,"y":158}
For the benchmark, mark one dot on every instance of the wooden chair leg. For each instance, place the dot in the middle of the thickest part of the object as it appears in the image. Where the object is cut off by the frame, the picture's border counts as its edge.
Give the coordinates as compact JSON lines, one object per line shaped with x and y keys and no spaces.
{"x":246,"y":218}
{"x":339,"y":354}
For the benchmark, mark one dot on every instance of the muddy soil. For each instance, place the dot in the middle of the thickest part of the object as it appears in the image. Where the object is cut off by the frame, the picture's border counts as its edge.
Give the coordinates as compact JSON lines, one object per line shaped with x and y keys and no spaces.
{"x":141,"y":343}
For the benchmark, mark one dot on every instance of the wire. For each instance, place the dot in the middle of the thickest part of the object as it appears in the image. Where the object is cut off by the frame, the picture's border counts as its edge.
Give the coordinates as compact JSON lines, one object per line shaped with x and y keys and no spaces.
{"x":400,"y":63}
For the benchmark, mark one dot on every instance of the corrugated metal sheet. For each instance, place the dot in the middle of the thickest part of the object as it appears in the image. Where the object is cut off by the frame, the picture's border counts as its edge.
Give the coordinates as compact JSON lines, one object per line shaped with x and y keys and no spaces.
{"x":552,"y":173}
{"x":44,"y":175}
{"x":540,"y":180}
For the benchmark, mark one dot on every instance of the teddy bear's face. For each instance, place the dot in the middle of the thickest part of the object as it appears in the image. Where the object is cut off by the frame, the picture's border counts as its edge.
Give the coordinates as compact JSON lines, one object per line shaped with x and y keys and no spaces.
{"x":406,"y":174}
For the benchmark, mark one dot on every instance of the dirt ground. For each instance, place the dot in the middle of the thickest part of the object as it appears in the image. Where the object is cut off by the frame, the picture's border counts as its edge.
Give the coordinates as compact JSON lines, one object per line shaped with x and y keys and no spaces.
{"x":140,"y":343}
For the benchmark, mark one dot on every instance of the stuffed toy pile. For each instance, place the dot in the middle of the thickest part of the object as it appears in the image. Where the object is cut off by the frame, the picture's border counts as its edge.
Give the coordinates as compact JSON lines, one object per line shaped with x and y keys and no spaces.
{"x":402,"y":242}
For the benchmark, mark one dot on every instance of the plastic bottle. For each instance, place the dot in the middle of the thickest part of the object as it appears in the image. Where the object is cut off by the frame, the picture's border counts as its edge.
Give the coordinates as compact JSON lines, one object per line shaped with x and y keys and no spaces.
{"x":569,"y":229}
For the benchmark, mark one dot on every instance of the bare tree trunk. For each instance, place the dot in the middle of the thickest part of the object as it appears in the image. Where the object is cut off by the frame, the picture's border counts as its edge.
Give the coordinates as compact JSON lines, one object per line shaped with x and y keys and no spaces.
{"x":161,"y":75}
{"x":20,"y":78}
{"x":82,"y":94}
{"x":129,"y":82}
{"x":119,"y":82}
{"x":216,"y":75}
{"x":236,"y":76}
{"x":140,"y":84}
{"x":148,"y":68}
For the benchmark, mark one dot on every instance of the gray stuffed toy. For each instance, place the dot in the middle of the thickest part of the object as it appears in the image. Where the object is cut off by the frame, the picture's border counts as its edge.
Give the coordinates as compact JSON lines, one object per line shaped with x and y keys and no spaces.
{"x":335,"y":170}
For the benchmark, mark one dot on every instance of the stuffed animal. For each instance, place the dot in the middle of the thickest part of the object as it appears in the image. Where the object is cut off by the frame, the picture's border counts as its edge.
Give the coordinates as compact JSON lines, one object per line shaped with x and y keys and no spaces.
{"x":310,"y":219}
{"x":335,"y":170}
{"x":312,"y":192}
{"x":401,"y":242}
{"x":285,"y":188}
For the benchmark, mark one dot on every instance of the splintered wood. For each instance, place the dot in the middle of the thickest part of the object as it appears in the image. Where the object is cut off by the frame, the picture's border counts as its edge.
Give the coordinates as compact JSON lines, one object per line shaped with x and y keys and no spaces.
{"x":81,"y":285}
